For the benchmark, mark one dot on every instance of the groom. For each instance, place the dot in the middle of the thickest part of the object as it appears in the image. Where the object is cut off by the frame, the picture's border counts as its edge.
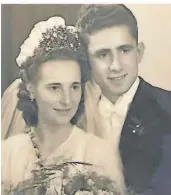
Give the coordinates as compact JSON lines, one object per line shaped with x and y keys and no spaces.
{"x":124,"y":108}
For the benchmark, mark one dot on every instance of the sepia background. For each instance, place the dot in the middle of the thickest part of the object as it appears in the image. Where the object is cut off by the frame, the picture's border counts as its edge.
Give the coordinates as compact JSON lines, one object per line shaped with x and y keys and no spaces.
{"x":154,"y":30}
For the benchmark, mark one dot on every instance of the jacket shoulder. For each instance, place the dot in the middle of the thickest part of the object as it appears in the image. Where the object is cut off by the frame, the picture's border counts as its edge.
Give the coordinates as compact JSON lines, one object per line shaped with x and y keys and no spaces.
{"x":162,"y":96}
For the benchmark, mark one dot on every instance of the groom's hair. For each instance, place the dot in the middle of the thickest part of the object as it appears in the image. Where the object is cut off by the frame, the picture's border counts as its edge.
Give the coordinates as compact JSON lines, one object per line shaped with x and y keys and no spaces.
{"x":96,"y":17}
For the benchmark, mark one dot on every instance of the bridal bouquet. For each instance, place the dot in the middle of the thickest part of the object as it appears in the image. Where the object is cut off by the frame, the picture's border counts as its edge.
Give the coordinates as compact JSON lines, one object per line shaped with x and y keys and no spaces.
{"x":66,"y":179}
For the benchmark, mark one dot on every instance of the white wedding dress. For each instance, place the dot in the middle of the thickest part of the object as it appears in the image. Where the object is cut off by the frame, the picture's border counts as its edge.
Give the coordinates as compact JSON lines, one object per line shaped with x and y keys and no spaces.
{"x":19,"y":158}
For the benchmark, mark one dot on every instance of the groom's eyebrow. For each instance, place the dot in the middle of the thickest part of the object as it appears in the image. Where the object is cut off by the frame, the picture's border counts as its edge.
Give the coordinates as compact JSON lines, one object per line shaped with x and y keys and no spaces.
{"x":100,"y":51}
{"x":49,"y":84}
{"x":125,"y":46}
{"x":120,"y":47}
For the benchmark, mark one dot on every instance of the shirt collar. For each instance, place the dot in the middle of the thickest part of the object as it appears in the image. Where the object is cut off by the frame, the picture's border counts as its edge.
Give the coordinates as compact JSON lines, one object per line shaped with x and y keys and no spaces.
{"x":107,"y":108}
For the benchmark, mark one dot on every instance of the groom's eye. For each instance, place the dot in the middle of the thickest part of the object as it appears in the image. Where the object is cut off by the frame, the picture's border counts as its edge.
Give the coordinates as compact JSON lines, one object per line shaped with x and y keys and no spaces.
{"x":102,"y":54}
{"x":126,"y":49}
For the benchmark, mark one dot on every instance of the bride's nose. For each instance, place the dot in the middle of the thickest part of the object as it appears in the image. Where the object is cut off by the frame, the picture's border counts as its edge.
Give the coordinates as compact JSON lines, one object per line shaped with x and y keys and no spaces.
{"x":66,"y":99}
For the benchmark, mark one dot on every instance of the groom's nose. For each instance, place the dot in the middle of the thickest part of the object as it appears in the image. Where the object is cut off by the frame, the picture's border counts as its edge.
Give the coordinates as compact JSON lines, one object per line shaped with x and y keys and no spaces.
{"x":115,"y":65}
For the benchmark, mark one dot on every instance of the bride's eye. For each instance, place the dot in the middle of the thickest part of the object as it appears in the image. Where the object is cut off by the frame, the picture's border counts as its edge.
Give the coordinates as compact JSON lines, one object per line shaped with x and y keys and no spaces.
{"x":76,"y":87}
{"x":54,"y":88}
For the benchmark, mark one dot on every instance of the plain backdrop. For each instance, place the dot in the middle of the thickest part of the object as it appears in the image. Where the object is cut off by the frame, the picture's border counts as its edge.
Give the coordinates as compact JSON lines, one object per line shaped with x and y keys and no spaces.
{"x":154,"y":30}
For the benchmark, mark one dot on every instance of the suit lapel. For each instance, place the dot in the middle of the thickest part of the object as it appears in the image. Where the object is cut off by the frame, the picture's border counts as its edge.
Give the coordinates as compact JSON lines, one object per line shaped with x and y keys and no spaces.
{"x":141,"y":138}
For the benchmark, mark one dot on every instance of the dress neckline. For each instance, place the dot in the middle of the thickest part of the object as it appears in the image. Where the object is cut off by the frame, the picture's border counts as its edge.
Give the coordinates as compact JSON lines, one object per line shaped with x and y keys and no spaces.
{"x":33,"y":140}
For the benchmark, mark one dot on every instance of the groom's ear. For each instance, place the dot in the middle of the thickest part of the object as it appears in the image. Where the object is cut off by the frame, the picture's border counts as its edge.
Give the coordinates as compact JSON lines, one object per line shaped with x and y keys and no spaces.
{"x":140,"y":51}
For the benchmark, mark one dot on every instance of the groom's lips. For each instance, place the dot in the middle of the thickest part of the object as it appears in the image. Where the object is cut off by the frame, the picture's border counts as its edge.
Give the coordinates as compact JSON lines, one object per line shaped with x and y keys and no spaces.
{"x":117,"y":78}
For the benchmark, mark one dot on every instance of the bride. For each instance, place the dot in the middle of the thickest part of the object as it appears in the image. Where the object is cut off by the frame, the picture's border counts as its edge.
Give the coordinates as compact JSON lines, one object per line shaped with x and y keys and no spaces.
{"x":53,"y":66}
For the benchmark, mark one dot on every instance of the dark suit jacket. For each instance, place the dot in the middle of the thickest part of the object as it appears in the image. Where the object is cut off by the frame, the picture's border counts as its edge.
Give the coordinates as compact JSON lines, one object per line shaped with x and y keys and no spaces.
{"x":147,"y":123}
{"x":161,"y":182}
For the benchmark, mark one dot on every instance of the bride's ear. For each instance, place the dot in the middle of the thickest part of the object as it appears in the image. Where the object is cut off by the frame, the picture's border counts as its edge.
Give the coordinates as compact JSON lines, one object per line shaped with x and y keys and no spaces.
{"x":30,"y":89}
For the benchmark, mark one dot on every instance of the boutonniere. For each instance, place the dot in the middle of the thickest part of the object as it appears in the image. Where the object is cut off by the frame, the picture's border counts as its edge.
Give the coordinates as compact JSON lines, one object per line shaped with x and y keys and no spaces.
{"x":136,"y":126}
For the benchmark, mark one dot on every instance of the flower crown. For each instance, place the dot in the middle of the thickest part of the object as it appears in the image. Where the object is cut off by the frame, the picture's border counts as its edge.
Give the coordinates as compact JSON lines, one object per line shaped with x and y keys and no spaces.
{"x":47,"y":35}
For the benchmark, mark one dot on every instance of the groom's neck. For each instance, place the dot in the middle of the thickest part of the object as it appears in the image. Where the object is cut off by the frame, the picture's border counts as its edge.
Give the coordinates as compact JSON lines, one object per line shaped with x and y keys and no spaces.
{"x":111,"y":97}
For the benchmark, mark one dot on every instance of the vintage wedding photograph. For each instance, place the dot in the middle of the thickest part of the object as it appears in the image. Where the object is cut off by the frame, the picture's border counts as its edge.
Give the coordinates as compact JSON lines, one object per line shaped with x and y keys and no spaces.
{"x":85,"y":99}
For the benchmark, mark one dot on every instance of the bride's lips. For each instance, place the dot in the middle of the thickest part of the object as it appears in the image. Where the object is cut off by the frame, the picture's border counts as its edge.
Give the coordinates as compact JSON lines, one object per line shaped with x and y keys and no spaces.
{"x":117,"y":78}
{"x":63,"y":111}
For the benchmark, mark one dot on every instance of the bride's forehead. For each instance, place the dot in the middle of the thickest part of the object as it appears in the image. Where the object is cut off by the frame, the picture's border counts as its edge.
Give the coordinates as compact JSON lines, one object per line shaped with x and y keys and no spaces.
{"x":60,"y":71}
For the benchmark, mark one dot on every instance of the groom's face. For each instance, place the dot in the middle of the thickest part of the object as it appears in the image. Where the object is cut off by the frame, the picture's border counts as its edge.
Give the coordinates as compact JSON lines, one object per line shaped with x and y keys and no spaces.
{"x":114,"y":56}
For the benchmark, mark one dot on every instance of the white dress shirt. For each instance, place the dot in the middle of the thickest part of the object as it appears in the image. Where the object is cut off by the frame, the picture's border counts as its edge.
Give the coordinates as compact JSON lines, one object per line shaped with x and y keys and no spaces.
{"x":114,"y":115}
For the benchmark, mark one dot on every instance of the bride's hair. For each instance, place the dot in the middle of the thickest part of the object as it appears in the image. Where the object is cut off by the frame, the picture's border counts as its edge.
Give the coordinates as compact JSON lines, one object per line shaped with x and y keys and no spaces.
{"x":59,"y":43}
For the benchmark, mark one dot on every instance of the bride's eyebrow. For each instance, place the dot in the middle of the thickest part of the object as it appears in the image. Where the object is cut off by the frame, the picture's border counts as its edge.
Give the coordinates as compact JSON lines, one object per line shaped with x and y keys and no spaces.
{"x":59,"y":84}
{"x":76,"y":83}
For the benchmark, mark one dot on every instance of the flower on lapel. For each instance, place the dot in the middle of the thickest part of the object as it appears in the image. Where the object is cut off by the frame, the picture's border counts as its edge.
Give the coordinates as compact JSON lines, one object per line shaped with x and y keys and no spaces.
{"x":136,"y":126}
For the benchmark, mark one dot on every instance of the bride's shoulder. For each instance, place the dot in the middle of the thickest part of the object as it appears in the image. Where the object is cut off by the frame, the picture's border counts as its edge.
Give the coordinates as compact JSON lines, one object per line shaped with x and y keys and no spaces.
{"x":16,"y":142}
{"x":16,"y":138}
{"x":86,"y":135}
{"x":93,"y":140}
{"x":17,"y":153}
{"x":16,"y":150}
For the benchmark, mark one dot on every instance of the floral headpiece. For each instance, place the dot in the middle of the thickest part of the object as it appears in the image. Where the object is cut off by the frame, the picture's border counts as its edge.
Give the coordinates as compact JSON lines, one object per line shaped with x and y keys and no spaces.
{"x":47,"y":35}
